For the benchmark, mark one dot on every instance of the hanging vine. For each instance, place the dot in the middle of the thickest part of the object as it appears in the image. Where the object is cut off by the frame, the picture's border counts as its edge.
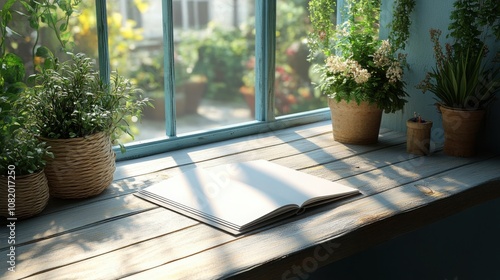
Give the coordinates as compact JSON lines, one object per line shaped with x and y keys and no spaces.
{"x":361,"y":16}
{"x":401,"y":22}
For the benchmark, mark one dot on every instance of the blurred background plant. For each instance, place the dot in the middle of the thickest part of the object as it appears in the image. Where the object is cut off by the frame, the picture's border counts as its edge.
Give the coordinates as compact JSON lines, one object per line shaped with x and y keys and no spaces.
{"x":293,"y":89}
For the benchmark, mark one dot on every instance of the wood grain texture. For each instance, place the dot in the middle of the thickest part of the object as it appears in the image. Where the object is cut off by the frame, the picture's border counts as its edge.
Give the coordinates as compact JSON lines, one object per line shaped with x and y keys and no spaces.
{"x":322,"y":229}
{"x":117,"y":235}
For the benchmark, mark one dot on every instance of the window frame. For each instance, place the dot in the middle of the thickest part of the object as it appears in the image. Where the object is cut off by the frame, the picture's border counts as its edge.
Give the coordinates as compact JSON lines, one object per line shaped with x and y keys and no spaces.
{"x":265,"y":119}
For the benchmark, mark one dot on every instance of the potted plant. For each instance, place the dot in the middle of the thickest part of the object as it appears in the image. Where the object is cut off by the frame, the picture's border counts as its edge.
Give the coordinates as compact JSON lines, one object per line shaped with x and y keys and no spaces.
{"x":361,"y":74}
{"x":80,"y":116}
{"x":194,"y":89}
{"x":23,"y":186}
{"x":462,"y":81}
{"x":24,"y":191}
{"x":418,"y":135}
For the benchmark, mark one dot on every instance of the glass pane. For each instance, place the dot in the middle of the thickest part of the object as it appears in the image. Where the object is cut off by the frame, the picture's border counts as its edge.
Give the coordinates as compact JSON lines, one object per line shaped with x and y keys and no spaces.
{"x":211,"y":66}
{"x":192,"y":14}
{"x":135,"y":38}
{"x":294,"y":91}
{"x":203,"y":13}
{"x":84,"y":30}
{"x":177,"y":11}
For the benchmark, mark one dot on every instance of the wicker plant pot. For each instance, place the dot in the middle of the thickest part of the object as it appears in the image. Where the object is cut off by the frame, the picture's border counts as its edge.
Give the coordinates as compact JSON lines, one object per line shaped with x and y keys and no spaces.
{"x":82,"y":167}
{"x":31,"y":195}
{"x":353,"y":123}
{"x":461,"y":128}
{"x":418,"y":137}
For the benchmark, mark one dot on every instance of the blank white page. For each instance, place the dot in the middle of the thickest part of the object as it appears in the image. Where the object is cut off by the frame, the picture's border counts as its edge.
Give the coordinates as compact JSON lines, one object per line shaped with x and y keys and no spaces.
{"x":243,"y":192}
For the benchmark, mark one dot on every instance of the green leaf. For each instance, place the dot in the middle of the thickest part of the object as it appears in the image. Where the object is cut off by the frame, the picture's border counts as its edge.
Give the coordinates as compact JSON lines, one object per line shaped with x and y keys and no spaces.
{"x":63,"y":27}
{"x":8,"y":5}
{"x":44,"y":52}
{"x":12,"y":69}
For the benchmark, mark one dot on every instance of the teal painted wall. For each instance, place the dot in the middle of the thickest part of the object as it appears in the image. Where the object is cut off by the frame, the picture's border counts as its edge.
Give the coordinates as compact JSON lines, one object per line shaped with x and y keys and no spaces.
{"x":430,"y":14}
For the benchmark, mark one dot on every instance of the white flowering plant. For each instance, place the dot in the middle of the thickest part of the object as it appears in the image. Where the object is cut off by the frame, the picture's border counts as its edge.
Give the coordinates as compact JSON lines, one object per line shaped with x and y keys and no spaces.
{"x":373,"y":74}
{"x":357,"y":65}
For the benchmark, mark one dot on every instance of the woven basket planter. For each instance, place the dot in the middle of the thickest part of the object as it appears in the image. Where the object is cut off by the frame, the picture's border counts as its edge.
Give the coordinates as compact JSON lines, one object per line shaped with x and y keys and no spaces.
{"x":418,"y":137}
{"x":461,"y":129}
{"x":81,"y":167}
{"x":31,"y":195}
{"x":353,"y":123}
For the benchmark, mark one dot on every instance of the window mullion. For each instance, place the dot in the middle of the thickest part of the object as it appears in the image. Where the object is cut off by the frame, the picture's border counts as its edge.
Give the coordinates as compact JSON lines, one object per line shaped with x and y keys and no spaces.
{"x":265,"y":49}
{"x":168,"y":63}
{"x":102,"y":40}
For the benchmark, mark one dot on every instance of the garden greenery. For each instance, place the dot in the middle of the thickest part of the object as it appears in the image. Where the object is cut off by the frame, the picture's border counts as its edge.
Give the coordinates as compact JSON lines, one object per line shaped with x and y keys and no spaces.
{"x":358,"y":65}
{"x":18,"y":145}
{"x":400,"y":24}
{"x":70,"y":100}
{"x":462,"y":77}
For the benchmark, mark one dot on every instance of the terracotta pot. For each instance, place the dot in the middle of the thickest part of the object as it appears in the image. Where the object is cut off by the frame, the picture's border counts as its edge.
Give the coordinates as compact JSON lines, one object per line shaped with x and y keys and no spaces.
{"x":158,"y":112}
{"x":461,"y":128}
{"x":418,"y":137}
{"x":31,"y":194}
{"x":194,"y":92}
{"x":353,"y":123}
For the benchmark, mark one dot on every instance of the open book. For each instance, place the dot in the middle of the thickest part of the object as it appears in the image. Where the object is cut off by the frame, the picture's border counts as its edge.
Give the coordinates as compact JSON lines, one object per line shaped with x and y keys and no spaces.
{"x":243,"y":196}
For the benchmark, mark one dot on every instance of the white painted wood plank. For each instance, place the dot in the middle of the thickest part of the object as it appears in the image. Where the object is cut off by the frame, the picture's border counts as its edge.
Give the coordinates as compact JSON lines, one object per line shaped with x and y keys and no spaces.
{"x":246,"y":144}
{"x":142,"y":255}
{"x":397,"y":176}
{"x":328,"y":154}
{"x":229,"y":258}
{"x":151,"y":164}
{"x":117,"y":190}
{"x":75,"y":222}
{"x":135,"y":240}
{"x":102,"y":238}
{"x":242,"y":149}
{"x":63,"y":221}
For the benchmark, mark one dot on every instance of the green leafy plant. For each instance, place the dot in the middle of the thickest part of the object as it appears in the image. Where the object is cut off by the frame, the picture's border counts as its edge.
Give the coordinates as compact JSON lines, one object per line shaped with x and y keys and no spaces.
{"x":53,"y":13}
{"x":29,"y":18}
{"x":473,"y":22}
{"x":23,"y":150}
{"x":18,"y":144}
{"x":460,"y":78}
{"x":70,"y":100}
{"x":358,"y":65}
{"x":401,"y":22}
{"x":375,"y":78}
{"x":323,"y":17}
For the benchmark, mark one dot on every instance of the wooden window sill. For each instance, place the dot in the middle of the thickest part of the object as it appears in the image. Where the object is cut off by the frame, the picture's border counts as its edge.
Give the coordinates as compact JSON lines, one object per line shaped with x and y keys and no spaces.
{"x":116,"y":234}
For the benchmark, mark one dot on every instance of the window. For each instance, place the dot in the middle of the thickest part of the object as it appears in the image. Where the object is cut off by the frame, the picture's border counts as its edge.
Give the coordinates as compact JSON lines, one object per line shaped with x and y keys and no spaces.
{"x":216,"y":69}
{"x":255,"y":47}
{"x":293,"y":88}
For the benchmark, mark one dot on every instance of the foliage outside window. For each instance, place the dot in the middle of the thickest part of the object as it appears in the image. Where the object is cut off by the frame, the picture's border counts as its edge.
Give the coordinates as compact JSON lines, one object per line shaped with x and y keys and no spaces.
{"x":200,"y":54}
